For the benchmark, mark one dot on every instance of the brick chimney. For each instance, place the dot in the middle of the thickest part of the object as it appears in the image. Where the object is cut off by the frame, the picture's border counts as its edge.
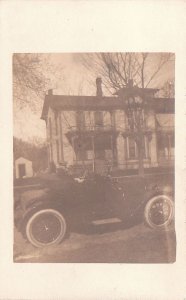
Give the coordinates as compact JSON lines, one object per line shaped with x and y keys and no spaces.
{"x":99,"y":92}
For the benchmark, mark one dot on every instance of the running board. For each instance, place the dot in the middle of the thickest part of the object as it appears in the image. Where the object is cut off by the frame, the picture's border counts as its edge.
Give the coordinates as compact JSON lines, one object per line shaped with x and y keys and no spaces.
{"x":106,"y":221}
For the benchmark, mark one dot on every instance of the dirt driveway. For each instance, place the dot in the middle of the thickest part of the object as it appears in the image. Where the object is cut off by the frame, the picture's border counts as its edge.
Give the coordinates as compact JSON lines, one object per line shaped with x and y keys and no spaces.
{"x":109,"y":244}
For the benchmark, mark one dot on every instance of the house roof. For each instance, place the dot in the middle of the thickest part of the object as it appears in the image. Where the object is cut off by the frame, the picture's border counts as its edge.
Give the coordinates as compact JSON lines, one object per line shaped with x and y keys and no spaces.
{"x":63,"y":102}
{"x":79,"y":102}
{"x":21,"y":158}
{"x":135,"y":90}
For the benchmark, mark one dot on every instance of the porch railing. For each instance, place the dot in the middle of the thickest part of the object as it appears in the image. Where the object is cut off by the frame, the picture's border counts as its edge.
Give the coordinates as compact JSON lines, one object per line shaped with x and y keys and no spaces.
{"x":92,"y":128}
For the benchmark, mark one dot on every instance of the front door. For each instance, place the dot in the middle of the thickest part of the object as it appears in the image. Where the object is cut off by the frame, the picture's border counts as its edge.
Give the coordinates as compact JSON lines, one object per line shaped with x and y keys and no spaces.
{"x":22,"y":170}
{"x":100,"y":166}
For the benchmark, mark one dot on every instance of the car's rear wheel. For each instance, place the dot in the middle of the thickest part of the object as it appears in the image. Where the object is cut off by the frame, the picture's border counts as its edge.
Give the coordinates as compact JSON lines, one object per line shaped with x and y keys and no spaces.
{"x":46,"y":227}
{"x":159,"y":212}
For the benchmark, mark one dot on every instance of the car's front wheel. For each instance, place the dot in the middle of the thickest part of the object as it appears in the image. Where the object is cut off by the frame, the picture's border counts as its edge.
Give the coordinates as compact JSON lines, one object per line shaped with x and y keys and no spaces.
{"x":159,"y":212}
{"x":46,"y":227}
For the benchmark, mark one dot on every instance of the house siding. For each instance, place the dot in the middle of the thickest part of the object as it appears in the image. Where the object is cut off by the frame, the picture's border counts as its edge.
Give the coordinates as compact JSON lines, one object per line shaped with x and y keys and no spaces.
{"x":64,"y":122}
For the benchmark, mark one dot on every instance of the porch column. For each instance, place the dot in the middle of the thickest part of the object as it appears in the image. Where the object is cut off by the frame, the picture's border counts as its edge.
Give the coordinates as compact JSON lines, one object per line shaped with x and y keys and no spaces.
{"x":112,"y":148}
{"x":120,"y":152}
{"x":153,"y":149}
{"x":73,"y":147}
{"x":152,"y":142}
{"x":93,"y":150}
{"x":61,"y":138}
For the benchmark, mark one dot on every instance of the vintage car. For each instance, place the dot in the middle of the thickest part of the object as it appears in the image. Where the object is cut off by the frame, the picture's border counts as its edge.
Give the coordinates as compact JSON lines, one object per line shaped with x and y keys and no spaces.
{"x":63,"y":203}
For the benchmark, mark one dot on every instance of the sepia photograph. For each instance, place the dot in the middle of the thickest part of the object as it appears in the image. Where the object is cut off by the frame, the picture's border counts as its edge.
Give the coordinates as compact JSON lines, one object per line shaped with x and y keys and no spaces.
{"x":93,"y":157}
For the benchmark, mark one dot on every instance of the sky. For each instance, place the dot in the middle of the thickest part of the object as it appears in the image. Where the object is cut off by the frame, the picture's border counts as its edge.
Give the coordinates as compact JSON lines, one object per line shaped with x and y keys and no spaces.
{"x":69,"y":77}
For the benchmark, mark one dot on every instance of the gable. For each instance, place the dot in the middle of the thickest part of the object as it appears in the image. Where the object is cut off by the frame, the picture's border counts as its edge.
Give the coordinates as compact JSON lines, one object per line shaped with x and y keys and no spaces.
{"x":22,"y":160}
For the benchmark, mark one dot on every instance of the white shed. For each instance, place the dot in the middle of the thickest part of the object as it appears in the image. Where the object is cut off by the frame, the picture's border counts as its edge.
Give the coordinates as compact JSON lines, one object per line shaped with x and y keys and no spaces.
{"x":23,"y":168}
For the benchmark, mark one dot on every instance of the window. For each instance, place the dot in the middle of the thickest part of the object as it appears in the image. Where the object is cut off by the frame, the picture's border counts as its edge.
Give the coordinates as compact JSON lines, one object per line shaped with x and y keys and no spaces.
{"x":80,"y":151}
{"x":108,"y":154}
{"x":112,"y":116}
{"x":50,"y":128}
{"x":81,"y":145}
{"x":56,"y":123}
{"x":98,"y":118}
{"x":51,"y":152}
{"x":132,"y":149}
{"x":57,"y":148}
{"x":80,"y":119}
{"x":90,"y":154}
{"x":81,"y":155}
{"x":165,"y":144}
{"x":135,"y":119}
{"x":100,"y":146}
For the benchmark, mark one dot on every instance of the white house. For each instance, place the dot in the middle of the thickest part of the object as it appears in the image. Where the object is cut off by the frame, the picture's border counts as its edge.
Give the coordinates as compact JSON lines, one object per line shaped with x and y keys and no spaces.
{"x":23,"y":168}
{"x":93,"y":131}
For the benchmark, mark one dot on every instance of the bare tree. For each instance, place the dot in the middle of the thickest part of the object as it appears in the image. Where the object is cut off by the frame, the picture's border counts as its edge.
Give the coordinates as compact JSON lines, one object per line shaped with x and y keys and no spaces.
{"x":120,"y":69}
{"x":33,"y":75}
{"x":117,"y":69}
{"x":28,"y":77}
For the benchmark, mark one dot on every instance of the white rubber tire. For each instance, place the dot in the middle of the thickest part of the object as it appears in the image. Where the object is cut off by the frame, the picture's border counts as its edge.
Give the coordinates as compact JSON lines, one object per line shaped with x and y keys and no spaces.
{"x":54,"y":213}
{"x":148,"y":208}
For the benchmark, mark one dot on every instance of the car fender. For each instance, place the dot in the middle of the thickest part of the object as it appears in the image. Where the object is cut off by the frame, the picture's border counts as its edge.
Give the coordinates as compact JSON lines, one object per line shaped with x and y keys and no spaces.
{"x":150,"y":193}
{"x":35,"y":207}
{"x":29,"y":197}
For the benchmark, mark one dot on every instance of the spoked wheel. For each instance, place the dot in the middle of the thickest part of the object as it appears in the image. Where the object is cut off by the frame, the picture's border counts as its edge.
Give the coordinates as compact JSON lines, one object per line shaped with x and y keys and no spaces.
{"x":46,"y":227}
{"x":159,"y":212}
